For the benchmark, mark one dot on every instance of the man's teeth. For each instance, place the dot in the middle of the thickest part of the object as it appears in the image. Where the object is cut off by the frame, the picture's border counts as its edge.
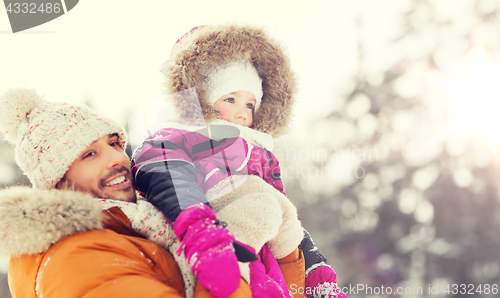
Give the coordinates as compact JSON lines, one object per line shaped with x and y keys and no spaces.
{"x":116,"y":181}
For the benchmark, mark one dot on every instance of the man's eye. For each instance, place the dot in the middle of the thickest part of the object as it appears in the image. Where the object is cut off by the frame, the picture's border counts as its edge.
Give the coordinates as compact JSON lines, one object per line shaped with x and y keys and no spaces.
{"x":90,"y":154}
{"x":250,"y":106}
{"x":116,"y":144}
{"x":230,"y":100}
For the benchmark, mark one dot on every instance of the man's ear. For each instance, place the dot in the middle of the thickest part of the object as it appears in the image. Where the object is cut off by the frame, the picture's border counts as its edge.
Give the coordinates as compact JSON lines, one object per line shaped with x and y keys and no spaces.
{"x":61,"y":184}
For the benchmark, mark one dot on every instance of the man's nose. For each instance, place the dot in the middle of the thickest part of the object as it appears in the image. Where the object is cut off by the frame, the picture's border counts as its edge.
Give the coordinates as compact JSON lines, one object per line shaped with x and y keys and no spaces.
{"x":114,"y":157}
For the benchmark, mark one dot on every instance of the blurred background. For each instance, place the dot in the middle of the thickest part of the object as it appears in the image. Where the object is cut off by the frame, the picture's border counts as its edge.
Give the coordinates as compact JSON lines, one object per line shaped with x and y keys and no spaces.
{"x":393,"y":158}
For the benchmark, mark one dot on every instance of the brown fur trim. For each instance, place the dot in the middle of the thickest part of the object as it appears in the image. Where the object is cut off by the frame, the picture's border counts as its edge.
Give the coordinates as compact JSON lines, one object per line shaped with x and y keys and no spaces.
{"x":210,"y":46}
{"x":32,"y":220}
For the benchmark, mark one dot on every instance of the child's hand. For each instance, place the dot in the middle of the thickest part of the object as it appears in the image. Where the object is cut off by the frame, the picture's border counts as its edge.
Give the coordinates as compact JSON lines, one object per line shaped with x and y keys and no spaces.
{"x":322,"y":283}
{"x":208,"y":247}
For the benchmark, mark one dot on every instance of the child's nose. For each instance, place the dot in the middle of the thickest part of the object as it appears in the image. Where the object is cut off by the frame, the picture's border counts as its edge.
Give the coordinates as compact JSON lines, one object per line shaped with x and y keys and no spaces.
{"x":240,"y":113}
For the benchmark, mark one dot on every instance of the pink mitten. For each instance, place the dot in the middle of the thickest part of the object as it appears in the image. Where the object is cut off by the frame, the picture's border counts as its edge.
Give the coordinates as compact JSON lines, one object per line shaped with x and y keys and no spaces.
{"x":322,"y":283}
{"x":266,"y":279}
{"x":208,"y":247}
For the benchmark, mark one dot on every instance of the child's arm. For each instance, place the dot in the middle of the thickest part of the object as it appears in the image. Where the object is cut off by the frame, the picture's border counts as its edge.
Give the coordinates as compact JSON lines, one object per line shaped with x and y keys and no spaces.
{"x":320,"y":277}
{"x":164,"y":172}
{"x":170,"y":186}
{"x":313,"y":257}
{"x":272,"y":172}
{"x":165,"y":169}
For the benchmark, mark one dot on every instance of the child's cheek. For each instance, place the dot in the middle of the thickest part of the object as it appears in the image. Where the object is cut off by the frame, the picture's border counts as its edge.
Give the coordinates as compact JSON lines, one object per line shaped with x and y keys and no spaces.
{"x":223,"y":116}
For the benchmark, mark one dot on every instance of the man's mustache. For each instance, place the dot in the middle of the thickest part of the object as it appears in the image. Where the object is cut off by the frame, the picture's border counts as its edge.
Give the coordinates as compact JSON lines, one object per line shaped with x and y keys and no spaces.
{"x":114,"y":172}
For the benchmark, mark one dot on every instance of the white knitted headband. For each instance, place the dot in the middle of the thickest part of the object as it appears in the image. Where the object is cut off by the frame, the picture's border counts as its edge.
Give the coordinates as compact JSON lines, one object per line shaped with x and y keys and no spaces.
{"x":234,"y":77}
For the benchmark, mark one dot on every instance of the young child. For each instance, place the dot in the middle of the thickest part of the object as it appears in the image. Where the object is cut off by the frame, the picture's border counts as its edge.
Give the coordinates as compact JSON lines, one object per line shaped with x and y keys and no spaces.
{"x":245,"y":89}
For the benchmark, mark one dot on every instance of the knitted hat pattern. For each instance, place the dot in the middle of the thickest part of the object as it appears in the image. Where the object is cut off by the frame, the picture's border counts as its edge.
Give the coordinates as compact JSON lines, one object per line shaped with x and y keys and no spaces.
{"x":49,"y":136}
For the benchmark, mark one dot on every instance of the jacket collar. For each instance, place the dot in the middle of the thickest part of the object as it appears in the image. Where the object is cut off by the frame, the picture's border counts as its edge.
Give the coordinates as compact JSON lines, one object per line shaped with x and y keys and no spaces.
{"x":251,"y":135}
{"x":31,"y":220}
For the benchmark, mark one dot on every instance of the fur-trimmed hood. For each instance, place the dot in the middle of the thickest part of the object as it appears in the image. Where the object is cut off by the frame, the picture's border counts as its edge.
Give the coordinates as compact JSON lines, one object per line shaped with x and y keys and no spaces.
{"x":32,"y":220}
{"x":212,"y":45}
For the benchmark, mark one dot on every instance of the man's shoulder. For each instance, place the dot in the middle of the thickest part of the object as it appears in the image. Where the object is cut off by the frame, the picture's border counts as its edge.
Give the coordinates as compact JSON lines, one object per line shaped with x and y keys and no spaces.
{"x":94,"y":257}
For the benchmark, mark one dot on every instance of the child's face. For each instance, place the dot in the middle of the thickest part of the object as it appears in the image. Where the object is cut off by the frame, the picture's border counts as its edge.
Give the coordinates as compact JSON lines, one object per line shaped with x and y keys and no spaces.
{"x":236,"y":107}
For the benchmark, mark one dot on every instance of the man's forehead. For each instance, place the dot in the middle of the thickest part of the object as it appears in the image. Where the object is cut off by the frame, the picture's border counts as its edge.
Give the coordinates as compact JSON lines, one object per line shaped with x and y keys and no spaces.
{"x":105,"y":138}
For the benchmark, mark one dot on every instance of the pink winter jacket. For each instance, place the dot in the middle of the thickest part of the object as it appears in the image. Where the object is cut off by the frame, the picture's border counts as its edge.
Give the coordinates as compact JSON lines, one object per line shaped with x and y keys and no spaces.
{"x":213,"y":160}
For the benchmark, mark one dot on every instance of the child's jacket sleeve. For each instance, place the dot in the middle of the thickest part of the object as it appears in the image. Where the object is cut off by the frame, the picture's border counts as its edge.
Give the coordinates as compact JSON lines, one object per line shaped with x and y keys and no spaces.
{"x":172,"y":167}
{"x":271,"y":171}
{"x":164,"y":173}
{"x":313,"y":257}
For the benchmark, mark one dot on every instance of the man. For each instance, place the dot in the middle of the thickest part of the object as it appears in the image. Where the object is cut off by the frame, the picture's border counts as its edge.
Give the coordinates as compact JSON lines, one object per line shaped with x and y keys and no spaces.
{"x":61,"y":242}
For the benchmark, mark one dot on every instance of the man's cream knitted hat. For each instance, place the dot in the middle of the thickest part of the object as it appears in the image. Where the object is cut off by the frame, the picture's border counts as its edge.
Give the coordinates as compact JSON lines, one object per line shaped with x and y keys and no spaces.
{"x":49,"y":136}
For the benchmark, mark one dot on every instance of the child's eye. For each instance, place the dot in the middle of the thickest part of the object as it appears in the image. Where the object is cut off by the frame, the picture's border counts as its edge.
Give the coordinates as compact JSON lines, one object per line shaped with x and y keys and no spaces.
{"x":249,"y":105}
{"x":230,"y":100}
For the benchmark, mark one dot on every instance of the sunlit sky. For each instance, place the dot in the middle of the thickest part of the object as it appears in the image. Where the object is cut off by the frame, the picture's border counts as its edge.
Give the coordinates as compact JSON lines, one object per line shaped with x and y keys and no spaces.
{"x":111,"y":52}
{"x":471,"y":94}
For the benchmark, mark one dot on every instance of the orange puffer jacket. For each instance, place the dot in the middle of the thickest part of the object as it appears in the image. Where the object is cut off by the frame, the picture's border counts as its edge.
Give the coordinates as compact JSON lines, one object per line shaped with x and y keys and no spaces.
{"x":63,"y":245}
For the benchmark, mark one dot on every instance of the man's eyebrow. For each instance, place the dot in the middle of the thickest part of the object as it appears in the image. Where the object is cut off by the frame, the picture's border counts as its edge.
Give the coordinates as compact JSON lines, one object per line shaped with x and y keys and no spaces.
{"x":110,"y":135}
{"x":120,"y":142}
